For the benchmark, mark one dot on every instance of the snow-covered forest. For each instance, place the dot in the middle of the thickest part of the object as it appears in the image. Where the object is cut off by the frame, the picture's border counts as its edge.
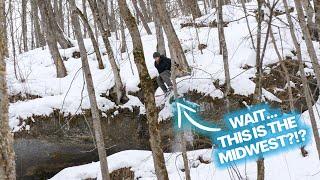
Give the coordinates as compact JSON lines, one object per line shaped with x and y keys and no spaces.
{"x":87,"y":86}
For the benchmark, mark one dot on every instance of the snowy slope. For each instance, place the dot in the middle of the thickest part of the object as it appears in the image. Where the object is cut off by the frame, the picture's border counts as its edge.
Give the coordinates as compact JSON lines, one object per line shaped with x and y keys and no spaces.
{"x":69,"y":95}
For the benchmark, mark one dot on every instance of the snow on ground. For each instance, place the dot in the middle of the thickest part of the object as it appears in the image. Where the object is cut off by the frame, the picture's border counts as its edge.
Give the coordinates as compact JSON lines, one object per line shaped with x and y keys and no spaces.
{"x":70,"y":96}
{"x":290,"y":165}
{"x":69,"y":93}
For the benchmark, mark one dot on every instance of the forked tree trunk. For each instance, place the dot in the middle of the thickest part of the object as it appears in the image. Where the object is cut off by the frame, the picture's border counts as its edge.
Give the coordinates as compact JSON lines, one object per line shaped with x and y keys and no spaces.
{"x":58,"y":33}
{"x":304,"y":79}
{"x":161,"y":48}
{"x":172,"y":37}
{"x":52,"y":41}
{"x":91,"y":35}
{"x":96,"y":121}
{"x":7,"y":161}
{"x":148,"y":92}
{"x":142,"y":18}
{"x":119,"y":89}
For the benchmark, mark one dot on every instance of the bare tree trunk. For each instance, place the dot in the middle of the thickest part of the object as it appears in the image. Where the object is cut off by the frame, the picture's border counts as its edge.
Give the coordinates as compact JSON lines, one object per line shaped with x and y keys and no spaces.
{"x":172,"y":37}
{"x":112,"y":17}
{"x":103,"y":13}
{"x":58,"y":33}
{"x":144,"y":10}
{"x":183,"y":8}
{"x":146,"y":84}
{"x":193,"y":8}
{"x":119,"y":90}
{"x":182,"y":144}
{"x":258,"y":88}
{"x":223,"y":44}
{"x":3,"y":27}
{"x":286,"y":73}
{"x":143,"y":20}
{"x":304,"y":79}
{"x":317,"y":16}
{"x":247,"y":21}
{"x":91,"y":35}
{"x":308,"y":41}
{"x":60,"y":15}
{"x":92,"y":96}
{"x":161,"y":47}
{"x":306,"y":4}
{"x":7,"y":161}
{"x":123,"y":37}
{"x":24,"y":24}
{"x":40,"y":41}
{"x":84,"y":9}
{"x":51,"y":40}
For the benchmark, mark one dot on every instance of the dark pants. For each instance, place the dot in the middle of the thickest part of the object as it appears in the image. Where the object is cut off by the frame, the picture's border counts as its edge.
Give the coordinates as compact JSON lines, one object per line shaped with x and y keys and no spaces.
{"x":164,"y":78}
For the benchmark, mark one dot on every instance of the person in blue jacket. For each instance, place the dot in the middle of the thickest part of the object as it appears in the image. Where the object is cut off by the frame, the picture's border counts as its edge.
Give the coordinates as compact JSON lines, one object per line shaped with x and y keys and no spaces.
{"x":163,"y":65}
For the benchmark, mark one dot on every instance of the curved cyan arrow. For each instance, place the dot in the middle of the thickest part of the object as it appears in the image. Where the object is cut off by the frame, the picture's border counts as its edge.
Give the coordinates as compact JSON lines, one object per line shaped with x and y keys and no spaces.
{"x":180,"y":108}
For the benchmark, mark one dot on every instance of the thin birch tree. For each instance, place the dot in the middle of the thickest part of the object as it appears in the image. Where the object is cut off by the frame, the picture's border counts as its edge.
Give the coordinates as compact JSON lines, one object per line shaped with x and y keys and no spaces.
{"x":96,"y":120}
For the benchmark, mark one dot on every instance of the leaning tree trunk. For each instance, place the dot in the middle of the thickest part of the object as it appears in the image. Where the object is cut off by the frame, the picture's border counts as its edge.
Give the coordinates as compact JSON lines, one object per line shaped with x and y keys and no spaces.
{"x":172,"y":37}
{"x":161,"y":47}
{"x":7,"y":161}
{"x":148,"y":92}
{"x":52,"y":41}
{"x":58,"y":33}
{"x":142,"y":18}
{"x":304,"y":79}
{"x":308,"y":41}
{"x":91,"y":35}
{"x":119,"y":89}
{"x":144,"y":10}
{"x":92,"y":96}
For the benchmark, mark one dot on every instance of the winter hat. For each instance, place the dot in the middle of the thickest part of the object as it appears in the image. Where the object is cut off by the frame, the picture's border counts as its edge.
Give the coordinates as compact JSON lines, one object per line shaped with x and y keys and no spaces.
{"x":156,"y":54}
